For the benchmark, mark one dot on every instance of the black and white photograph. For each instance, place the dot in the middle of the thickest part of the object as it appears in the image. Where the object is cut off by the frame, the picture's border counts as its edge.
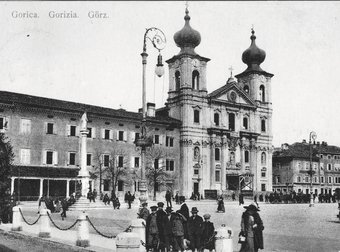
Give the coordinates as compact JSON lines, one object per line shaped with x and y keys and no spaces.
{"x":164,"y":126}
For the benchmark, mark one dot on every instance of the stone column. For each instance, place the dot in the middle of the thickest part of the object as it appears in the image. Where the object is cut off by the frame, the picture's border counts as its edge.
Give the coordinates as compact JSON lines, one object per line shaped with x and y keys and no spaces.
{"x":41,"y":188}
{"x":12,"y":185}
{"x":84,"y":173}
{"x":67,"y":187}
{"x":212,"y":161}
{"x":223,"y":162}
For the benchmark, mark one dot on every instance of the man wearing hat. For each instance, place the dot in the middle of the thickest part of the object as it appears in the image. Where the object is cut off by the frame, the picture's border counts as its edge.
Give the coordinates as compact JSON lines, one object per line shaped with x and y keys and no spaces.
{"x":161,"y":215}
{"x":151,"y":230}
{"x":208,"y":232}
{"x":144,"y":211}
{"x":167,"y":229}
{"x":251,"y":228}
{"x":195,"y":230}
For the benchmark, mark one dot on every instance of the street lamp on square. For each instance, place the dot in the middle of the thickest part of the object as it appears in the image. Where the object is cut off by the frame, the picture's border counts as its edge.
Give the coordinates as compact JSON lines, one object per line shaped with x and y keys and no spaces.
{"x":312,"y":136}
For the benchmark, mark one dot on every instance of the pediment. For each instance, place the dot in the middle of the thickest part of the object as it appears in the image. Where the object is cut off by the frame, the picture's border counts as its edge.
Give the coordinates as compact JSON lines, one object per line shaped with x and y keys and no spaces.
{"x":231,"y":93}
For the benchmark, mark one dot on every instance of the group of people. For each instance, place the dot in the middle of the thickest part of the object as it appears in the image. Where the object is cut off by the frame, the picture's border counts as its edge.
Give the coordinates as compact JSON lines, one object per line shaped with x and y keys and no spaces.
{"x":92,"y":195}
{"x":168,"y":230}
{"x":114,"y":199}
{"x":56,"y":205}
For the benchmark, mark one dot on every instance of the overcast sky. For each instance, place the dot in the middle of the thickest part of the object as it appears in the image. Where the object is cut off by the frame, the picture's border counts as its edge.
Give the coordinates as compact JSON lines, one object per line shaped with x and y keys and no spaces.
{"x":97,"y":61}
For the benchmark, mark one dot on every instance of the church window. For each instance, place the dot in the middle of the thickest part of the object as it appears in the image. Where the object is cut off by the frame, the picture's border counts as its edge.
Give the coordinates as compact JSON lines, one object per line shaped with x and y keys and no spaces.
{"x":246,"y":89}
{"x":231,"y":121}
{"x":195,"y":80}
{"x":196,"y":116}
{"x":245,"y":123}
{"x":263,"y":158}
{"x":246,"y":156}
{"x":298,"y":179}
{"x":262,"y":94}
{"x":178,"y":80}
{"x":263,"y":125}
{"x":217,"y":176}
{"x":217,"y":119}
{"x":217,"y":154}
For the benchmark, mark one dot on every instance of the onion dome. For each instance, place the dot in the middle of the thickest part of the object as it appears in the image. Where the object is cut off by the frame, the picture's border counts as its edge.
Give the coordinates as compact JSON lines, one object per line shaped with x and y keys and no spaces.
{"x":253,"y":56}
{"x":187,"y":38}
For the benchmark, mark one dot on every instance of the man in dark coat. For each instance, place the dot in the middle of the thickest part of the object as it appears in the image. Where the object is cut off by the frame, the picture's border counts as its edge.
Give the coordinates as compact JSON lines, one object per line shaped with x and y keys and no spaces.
{"x":195,"y":230}
{"x":129,"y":199}
{"x":161,"y":215}
{"x":168,"y":197}
{"x":151,"y":231}
{"x":167,"y":229}
{"x":184,"y":210}
{"x":240,"y":199}
{"x":144,"y":211}
{"x":208,"y":232}
{"x":177,"y":228}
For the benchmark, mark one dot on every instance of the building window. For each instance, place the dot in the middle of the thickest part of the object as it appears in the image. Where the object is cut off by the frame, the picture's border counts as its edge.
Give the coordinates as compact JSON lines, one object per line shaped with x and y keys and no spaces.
{"x":329,"y":180}
{"x":321,"y":156}
{"x":72,"y":158}
{"x":231,"y":119}
{"x":245,"y":123}
{"x":120,"y":185}
{"x":263,"y":158}
{"x":246,"y":89}
{"x":106,"y":160}
{"x":217,"y":119}
{"x":170,"y":164}
{"x":263,"y":187}
{"x":107,"y":134}
{"x":263,"y":125}
{"x":49,"y":128}
{"x":89,"y":159}
{"x":278,"y":179}
{"x":178,"y":80}
{"x":217,"y":154}
{"x":196,"y":116}
{"x":2,"y":120}
{"x":136,"y":161}
{"x":217,"y":176}
{"x":72,"y":130}
{"x":329,"y":157}
{"x":262,"y":94}
{"x":322,"y":179}
{"x":195,"y":80}
{"x":136,"y":135}
{"x":121,"y":135}
{"x":25,"y":126}
{"x":246,"y":156}
{"x":329,"y":167}
{"x":51,"y":157}
{"x":263,"y":172}
{"x":307,"y":179}
{"x":106,"y":184}
{"x":120,"y":161}
{"x":196,"y":171}
{"x":89,"y":134}
{"x":315,"y":179}
{"x":156,"y":139}
{"x":298,"y":179}
{"x":25,"y":156}
{"x":169,"y":141}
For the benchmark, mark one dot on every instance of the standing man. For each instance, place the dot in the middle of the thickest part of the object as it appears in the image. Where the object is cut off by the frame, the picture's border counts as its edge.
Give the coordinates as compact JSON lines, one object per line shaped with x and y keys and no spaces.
{"x":184,"y":210}
{"x":129,"y":199}
{"x":177,"y":229}
{"x":168,"y":198}
{"x":64,"y":206}
{"x":151,"y":229}
{"x":144,"y":212}
{"x":161,"y":215}
{"x":208,"y":232}
{"x":240,"y":199}
{"x":167,"y":229}
{"x":195,"y":230}
{"x":251,"y":228}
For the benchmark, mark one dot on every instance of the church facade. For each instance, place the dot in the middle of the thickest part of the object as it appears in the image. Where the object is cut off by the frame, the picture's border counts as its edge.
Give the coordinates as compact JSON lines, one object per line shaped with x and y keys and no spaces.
{"x":226,"y":135}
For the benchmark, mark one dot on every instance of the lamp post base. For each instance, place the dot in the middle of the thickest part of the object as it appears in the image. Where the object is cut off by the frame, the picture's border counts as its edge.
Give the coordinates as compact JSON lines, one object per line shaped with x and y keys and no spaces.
{"x":311,"y":203}
{"x":142,"y":192}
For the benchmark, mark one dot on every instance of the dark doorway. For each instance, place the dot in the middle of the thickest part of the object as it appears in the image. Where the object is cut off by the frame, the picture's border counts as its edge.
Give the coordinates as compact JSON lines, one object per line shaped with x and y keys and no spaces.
{"x":196,"y":187}
{"x":55,"y":188}
{"x":232,"y":182}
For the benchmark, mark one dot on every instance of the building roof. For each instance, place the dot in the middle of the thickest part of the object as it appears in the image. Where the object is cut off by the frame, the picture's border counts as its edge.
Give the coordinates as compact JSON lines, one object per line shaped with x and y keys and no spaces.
{"x":16,"y":99}
{"x":302,"y":151}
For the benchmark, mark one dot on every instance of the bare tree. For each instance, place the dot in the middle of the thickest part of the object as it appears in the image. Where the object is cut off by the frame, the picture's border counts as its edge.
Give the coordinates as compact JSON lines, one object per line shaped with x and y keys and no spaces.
{"x":156,"y":173}
{"x":113,"y":165}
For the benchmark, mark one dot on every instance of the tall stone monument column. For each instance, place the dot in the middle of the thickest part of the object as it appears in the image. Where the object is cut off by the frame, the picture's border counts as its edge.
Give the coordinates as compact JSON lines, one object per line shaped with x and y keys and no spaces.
{"x":84,"y":175}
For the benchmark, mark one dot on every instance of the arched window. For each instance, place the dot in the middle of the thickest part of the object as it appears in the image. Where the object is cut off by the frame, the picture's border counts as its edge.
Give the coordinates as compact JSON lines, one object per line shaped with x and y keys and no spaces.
{"x":196,"y":116}
{"x":245,"y":123}
{"x":217,"y":119}
{"x":217,"y":154}
{"x":231,"y":118}
{"x":263,"y":158}
{"x":246,"y":89}
{"x":298,"y":179}
{"x":262,"y":94}
{"x":178,"y":80}
{"x":246,"y":156}
{"x":196,"y":153}
{"x":195,"y":80}
{"x":263,"y":125}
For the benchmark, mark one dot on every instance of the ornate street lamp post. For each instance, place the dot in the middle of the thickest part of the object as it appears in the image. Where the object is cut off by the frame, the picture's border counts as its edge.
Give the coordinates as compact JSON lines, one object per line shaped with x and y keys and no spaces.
{"x":158,"y":40}
{"x":312,"y":135}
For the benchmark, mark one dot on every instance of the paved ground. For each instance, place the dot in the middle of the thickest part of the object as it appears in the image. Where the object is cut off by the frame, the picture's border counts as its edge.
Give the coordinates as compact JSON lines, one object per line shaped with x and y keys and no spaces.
{"x":292,"y":227}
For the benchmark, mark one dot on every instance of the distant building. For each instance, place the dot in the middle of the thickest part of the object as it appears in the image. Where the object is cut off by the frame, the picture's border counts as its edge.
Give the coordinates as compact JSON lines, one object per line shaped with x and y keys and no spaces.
{"x":291,"y":168}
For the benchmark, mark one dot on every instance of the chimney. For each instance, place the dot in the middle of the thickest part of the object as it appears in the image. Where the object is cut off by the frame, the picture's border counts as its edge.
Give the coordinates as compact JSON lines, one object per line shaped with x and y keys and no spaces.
{"x":151,"y":109}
